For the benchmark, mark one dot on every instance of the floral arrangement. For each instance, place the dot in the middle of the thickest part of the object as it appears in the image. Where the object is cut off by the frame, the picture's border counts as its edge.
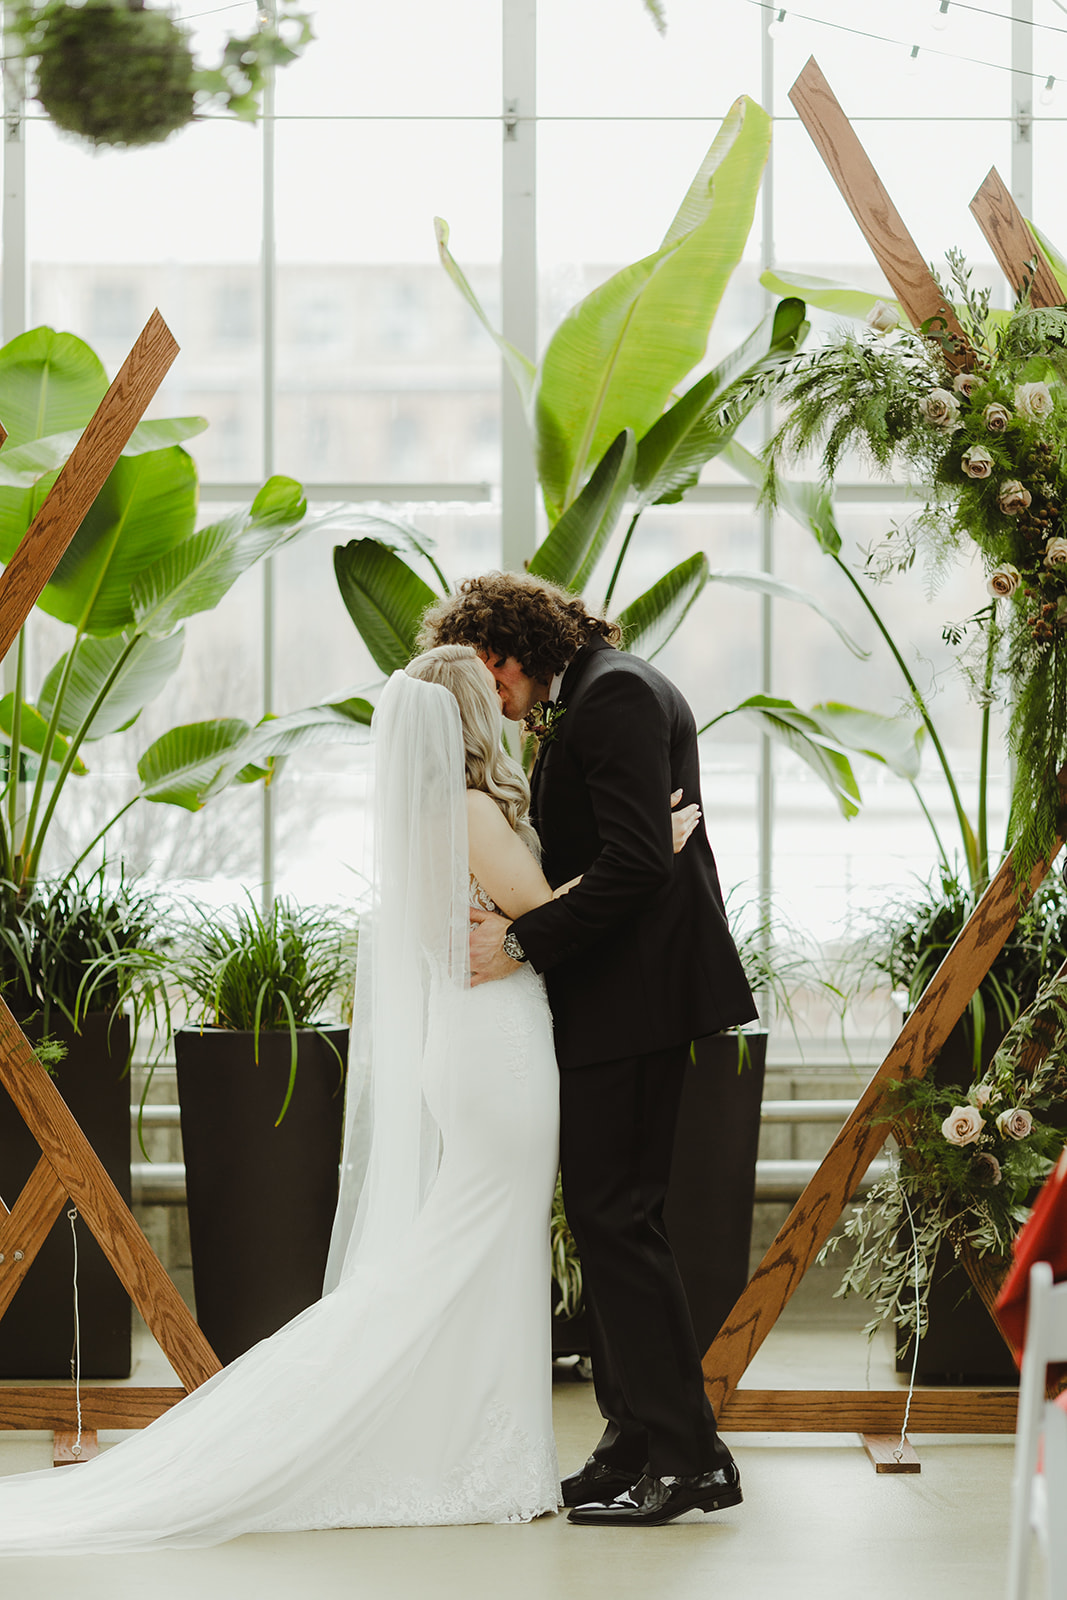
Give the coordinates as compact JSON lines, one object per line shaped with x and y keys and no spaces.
{"x":981,"y":429}
{"x":967,"y":1170}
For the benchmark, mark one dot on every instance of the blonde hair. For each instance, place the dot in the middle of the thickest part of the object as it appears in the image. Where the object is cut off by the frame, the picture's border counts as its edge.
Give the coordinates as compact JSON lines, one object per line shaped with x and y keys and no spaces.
{"x":488,"y":766}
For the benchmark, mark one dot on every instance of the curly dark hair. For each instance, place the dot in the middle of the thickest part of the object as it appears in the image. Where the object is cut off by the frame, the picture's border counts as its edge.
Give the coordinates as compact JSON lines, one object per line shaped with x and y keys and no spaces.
{"x":514,"y":614}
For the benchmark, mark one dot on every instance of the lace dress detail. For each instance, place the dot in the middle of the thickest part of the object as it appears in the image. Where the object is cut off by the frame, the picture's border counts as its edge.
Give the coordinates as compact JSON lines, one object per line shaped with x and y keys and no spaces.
{"x":521,"y":1026}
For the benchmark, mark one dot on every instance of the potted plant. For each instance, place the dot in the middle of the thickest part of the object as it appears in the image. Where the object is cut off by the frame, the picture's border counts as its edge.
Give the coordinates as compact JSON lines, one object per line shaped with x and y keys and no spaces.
{"x":136,"y":569}
{"x":59,"y":947}
{"x":261,"y":1084}
{"x":120,"y":73}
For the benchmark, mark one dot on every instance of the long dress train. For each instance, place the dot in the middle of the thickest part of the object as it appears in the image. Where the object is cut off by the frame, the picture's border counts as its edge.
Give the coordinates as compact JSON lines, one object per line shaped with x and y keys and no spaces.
{"x":418,"y":1390}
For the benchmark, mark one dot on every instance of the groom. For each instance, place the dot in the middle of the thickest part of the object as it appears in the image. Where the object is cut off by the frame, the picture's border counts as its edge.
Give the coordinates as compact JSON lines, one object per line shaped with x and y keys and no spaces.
{"x":639,"y":961}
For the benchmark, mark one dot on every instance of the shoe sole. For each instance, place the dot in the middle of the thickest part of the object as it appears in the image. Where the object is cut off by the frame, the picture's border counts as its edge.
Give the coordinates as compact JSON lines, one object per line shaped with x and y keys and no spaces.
{"x":597,"y":1518}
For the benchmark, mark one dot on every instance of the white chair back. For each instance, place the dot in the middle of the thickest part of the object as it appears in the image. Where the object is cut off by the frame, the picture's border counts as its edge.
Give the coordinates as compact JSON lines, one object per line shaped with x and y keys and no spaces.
{"x":1040,"y":1500}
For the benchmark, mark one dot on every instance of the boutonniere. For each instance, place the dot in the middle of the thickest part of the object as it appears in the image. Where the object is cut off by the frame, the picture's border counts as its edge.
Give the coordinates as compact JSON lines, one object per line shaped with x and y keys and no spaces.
{"x":543,"y":721}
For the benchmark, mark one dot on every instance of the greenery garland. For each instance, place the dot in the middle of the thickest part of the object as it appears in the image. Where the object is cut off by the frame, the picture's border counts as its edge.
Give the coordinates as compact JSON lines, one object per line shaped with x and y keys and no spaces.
{"x":987,"y":449}
{"x":966,"y":1173}
{"x":119,"y":73}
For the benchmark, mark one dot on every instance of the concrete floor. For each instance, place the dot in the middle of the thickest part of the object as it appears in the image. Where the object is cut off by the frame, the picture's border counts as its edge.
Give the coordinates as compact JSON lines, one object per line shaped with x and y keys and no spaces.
{"x":817,"y":1520}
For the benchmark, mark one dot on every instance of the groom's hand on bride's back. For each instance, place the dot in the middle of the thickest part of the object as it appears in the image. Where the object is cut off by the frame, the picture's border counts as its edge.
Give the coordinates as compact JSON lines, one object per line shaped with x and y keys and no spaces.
{"x":488,"y":960}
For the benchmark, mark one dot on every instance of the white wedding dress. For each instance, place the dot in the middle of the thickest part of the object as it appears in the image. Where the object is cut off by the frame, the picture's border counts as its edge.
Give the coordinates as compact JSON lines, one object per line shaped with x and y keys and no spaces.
{"x":418,"y":1390}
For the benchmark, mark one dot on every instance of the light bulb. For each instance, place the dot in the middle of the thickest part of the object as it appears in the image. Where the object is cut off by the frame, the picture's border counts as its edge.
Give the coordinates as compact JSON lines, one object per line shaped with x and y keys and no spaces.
{"x":1048,"y":93}
{"x":940,"y":21}
{"x":913,"y":60}
{"x":774,"y":28}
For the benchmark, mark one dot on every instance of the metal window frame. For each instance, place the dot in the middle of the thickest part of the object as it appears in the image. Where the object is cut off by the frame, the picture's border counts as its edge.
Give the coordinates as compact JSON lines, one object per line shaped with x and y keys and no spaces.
{"x":519,"y":299}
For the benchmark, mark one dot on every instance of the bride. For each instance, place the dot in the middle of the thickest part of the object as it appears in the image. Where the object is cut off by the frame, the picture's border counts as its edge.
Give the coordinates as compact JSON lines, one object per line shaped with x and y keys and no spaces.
{"x":418,"y":1389}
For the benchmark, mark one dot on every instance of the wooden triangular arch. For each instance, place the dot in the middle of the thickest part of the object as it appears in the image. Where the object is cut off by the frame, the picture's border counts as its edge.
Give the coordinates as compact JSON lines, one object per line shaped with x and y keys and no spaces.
{"x":943,"y":1002}
{"x":68,"y":1165}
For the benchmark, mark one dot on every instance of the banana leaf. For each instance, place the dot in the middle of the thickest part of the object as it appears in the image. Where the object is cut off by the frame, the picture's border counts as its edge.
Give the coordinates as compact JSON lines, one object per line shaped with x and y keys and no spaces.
{"x":150,"y":666}
{"x":830,"y":295}
{"x":49,"y":383}
{"x":384,"y":598}
{"x":777,"y":589}
{"x":810,"y":504}
{"x":522,"y":369}
{"x":571,"y":550}
{"x":896,"y":742}
{"x":616,"y":358}
{"x":146,"y":508}
{"x":803,"y":735}
{"x":655,"y":616}
{"x":32,"y":730}
{"x":199,"y":572}
{"x":22,"y":466}
{"x":183,"y":767}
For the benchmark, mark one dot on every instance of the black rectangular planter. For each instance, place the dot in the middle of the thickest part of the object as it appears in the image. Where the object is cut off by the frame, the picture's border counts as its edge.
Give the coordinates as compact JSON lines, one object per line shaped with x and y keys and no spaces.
{"x":37,"y":1330}
{"x":261,"y":1198}
{"x":712,"y":1190}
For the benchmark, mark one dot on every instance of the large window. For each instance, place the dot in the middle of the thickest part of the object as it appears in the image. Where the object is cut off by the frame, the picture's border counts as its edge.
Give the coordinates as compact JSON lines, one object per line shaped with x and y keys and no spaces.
{"x":296,"y":262}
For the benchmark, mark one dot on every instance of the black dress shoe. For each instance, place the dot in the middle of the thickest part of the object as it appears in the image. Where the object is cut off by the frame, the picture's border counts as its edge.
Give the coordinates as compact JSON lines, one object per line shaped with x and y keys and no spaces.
{"x":655,"y":1500}
{"x":595,"y":1484}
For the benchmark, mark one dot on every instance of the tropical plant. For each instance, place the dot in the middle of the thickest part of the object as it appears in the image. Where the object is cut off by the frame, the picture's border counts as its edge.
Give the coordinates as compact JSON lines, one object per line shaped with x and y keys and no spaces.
{"x":136,"y":569}
{"x":67,"y":947}
{"x":609,"y":432}
{"x":247,"y":970}
{"x":120,"y":73}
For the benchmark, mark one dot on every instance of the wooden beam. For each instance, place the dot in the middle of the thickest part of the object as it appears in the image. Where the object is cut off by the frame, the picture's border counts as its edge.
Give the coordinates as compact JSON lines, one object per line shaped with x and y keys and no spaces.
{"x":52,"y":1408}
{"x":868,"y":199}
{"x":1014,"y":246}
{"x":875,"y":1411}
{"x":889,"y":1452}
{"x":70,"y":1451}
{"x":25,"y":1227}
{"x":86,"y":1180}
{"x":83,"y":476}
{"x":812,"y":1219}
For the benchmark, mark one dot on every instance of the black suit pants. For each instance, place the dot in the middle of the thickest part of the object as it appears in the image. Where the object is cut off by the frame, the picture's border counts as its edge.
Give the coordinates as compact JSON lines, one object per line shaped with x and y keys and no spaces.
{"x":617,"y":1126}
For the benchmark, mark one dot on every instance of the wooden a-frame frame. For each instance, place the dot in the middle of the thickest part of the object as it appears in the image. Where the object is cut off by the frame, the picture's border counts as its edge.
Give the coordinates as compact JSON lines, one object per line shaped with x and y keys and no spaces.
{"x":943,"y":1002}
{"x":68,"y":1165}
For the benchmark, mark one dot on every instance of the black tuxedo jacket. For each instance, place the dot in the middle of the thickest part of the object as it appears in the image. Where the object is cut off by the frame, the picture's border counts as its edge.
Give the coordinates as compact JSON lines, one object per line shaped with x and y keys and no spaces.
{"x":639,"y":956}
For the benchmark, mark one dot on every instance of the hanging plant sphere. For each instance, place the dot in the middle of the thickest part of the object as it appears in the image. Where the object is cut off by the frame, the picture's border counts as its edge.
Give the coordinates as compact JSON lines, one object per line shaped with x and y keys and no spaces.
{"x":112,"y":71}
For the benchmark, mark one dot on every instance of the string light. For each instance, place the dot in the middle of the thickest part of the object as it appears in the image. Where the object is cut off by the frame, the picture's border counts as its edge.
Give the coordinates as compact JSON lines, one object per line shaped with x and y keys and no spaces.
{"x":913,"y":60}
{"x":1048,"y":93}
{"x":940,"y":21}
{"x":774,"y":28}
{"x":945,"y":55}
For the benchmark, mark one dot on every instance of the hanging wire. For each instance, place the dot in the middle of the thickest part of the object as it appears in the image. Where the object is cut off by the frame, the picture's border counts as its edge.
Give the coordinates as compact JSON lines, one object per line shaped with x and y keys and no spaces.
{"x":76,"y":1350}
{"x":906,"y":44}
{"x":898,"y":1453}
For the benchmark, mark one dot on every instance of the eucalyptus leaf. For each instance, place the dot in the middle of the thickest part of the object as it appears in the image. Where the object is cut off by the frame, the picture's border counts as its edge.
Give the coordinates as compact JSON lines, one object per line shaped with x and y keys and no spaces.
{"x":654,"y":617}
{"x":570,"y":552}
{"x":384,"y":598}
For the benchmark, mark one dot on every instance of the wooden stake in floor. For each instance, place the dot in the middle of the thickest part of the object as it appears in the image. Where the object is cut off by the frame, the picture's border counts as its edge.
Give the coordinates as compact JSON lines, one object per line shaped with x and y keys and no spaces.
{"x":880,"y":1415}
{"x":69,"y":1166}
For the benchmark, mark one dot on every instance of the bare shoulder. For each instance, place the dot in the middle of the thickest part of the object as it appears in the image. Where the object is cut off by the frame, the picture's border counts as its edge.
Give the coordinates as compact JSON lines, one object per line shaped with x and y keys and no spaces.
{"x":483,"y":813}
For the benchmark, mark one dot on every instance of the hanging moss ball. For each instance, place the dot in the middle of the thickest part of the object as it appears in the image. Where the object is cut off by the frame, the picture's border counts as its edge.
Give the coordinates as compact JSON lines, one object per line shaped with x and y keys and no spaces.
{"x":113,"y":72}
